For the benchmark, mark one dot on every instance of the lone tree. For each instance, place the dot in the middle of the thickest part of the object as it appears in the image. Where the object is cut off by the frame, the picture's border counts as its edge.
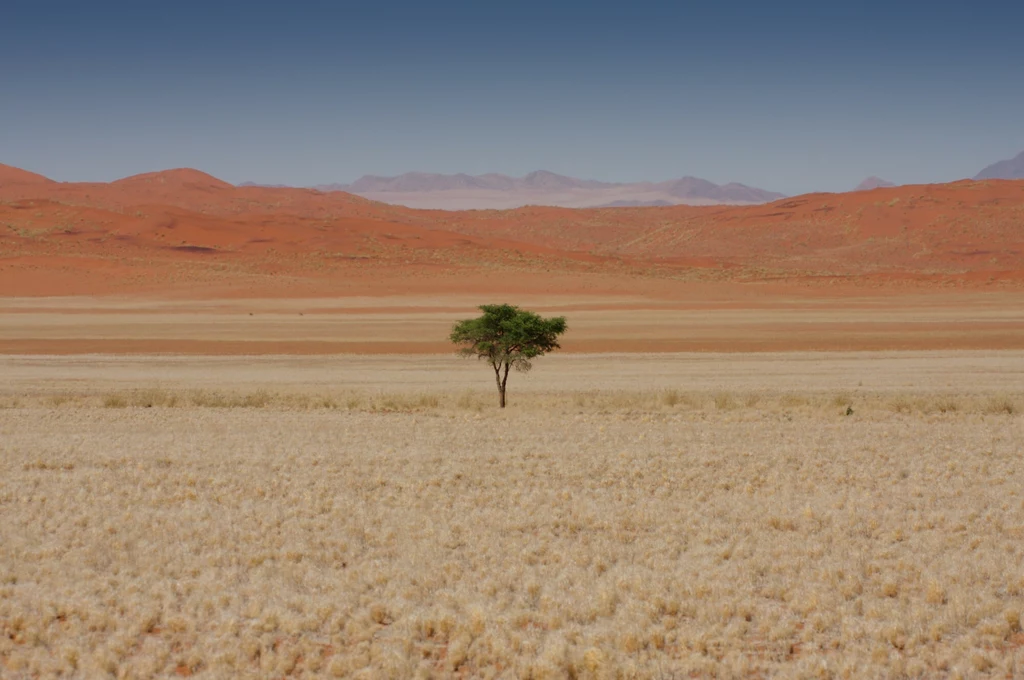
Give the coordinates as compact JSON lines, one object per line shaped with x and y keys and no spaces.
{"x":507,"y":337}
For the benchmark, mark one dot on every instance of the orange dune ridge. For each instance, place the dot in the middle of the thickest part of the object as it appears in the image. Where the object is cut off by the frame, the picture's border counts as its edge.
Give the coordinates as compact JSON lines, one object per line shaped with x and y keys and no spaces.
{"x":186,"y":232}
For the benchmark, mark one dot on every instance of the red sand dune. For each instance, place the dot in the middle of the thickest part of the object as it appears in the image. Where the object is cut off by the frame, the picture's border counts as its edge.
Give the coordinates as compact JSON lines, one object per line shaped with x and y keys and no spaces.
{"x":190,"y":233}
{"x":9,"y":176}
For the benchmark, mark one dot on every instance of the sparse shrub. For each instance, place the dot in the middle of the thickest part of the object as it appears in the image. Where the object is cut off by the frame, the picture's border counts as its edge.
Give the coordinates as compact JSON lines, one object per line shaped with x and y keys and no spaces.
{"x":149,"y":398}
{"x":429,"y":401}
{"x":470,"y":401}
{"x":794,"y":400}
{"x":257,"y":399}
{"x":724,"y":401}
{"x":675,"y":398}
{"x":205,"y":399}
{"x":48,"y":465}
{"x":401,"y":402}
{"x":115,"y":401}
{"x":303,"y":401}
{"x":901,"y":404}
{"x":1000,"y":405}
{"x":842,"y":400}
{"x":388,"y":403}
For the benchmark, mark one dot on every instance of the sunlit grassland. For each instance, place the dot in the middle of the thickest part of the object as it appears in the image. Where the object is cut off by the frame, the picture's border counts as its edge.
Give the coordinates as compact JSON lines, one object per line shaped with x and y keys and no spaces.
{"x":666,"y":533}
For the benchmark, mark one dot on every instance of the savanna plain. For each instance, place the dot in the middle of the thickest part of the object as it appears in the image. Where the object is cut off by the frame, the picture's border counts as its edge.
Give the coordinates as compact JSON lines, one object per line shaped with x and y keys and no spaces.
{"x":820,"y":514}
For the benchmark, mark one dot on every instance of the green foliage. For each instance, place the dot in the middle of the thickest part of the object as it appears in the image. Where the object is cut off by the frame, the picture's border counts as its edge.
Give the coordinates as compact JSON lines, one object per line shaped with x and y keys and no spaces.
{"x":507,"y":334}
{"x":507,"y":337}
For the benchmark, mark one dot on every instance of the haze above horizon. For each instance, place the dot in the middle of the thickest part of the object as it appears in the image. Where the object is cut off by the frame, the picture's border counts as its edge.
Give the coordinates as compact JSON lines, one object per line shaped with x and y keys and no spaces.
{"x":791,"y":97}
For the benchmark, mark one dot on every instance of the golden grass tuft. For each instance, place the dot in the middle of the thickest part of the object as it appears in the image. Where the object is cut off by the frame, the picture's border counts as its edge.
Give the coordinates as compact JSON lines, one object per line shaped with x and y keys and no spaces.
{"x":115,"y":401}
{"x":725,"y":401}
{"x":1002,"y":405}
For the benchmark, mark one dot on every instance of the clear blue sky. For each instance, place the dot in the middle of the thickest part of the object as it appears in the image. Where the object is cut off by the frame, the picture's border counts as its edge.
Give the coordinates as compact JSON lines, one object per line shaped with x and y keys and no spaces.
{"x":789,"y":96}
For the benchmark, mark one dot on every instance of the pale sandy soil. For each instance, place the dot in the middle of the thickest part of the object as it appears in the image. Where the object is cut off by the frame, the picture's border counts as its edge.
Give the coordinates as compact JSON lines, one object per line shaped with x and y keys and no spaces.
{"x":963,"y":373}
{"x":647,"y":516}
{"x":694,"y":320}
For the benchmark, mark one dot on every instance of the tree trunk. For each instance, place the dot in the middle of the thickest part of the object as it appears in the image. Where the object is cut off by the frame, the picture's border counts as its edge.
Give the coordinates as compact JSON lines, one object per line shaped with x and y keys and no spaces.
{"x":501,"y":380}
{"x":501,"y":385}
{"x":504,"y":379}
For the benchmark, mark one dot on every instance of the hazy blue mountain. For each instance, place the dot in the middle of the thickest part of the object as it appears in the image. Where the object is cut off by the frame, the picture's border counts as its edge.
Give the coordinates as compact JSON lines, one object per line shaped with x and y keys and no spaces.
{"x":494,"y":190}
{"x":1008,"y":169}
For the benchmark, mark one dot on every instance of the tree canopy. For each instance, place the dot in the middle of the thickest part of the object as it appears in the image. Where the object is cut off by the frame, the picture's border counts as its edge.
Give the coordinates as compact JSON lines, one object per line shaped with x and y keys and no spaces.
{"x":507,"y":337}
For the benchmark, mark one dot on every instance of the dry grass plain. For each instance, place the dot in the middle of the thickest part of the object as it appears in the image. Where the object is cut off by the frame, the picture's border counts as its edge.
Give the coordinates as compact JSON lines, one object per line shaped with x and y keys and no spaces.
{"x":647,"y":516}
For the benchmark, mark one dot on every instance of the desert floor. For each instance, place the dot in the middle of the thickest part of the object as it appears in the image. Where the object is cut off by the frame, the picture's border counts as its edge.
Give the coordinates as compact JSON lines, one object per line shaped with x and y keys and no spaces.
{"x":779,"y":440}
{"x":701,"y":318}
{"x":801,"y":514}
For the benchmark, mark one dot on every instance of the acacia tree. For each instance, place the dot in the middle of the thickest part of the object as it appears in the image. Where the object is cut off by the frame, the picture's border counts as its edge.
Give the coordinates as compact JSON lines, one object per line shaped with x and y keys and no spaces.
{"x":507,"y":337}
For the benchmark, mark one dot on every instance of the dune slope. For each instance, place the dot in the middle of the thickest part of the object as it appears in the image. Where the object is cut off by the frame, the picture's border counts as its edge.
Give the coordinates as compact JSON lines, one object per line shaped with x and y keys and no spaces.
{"x":182,"y":230}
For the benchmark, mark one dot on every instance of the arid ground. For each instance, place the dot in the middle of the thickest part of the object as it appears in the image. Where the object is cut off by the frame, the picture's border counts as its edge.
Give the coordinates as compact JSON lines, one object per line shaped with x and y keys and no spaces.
{"x":664,"y":515}
{"x":181,"y":262}
{"x":780,"y":440}
{"x":187,"y":234}
{"x":420,"y":323}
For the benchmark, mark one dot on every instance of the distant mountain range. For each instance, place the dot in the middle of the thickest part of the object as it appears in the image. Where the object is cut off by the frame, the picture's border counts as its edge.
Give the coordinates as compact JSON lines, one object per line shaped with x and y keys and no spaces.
{"x":413,"y":182}
{"x":1008,"y":169}
{"x":1012,"y":168}
{"x":873,"y":183}
{"x":636,"y":204}
{"x":496,"y":191}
